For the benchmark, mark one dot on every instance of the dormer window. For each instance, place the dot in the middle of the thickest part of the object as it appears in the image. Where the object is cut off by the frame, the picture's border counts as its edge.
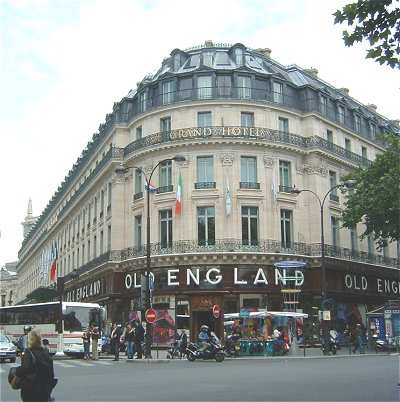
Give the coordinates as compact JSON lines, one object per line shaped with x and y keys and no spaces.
{"x":372,"y":130}
{"x":142,"y":101}
{"x":208,"y":59}
{"x":238,"y":56}
{"x":357,"y":123}
{"x":340,"y":110}
{"x":323,"y":104}
{"x":177,"y":62}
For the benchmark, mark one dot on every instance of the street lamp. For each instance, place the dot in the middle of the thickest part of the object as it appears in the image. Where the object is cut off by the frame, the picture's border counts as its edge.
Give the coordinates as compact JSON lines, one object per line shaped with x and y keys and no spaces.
{"x":147,"y":301}
{"x":349,"y":184}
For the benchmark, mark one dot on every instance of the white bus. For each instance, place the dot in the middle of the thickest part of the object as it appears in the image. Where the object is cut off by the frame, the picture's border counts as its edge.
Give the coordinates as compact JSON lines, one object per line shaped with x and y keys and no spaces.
{"x":44,"y":317}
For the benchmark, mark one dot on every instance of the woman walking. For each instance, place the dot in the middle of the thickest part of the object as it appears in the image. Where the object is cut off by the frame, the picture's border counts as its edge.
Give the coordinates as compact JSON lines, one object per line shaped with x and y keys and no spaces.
{"x":130,"y":339}
{"x":36,"y":372}
{"x":86,"y":344}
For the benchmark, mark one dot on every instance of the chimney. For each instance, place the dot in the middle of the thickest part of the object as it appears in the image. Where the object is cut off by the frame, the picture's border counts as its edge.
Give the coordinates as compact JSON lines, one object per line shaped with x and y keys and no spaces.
{"x":312,"y":71}
{"x":265,"y":52}
{"x":345,"y":91}
{"x":208,"y":43}
{"x":372,"y":107}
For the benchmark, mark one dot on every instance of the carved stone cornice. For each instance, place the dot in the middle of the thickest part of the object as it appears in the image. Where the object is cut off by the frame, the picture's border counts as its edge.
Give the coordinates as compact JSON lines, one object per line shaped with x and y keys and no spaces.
{"x":312,"y":169}
{"x":268,"y":161}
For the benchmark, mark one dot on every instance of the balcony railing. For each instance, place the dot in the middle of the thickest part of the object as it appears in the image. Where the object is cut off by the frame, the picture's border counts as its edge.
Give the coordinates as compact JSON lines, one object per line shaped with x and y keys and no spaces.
{"x":249,"y":185}
{"x":256,"y":134}
{"x":263,"y":246}
{"x":285,"y":189}
{"x":138,"y":196}
{"x":204,"y":185}
{"x":165,"y":189}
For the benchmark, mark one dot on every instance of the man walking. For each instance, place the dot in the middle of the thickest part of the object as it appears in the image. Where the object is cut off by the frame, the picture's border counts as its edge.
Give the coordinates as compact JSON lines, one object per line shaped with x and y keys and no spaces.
{"x":94,"y":331}
{"x":139,"y":338}
{"x":115,"y":340}
{"x":130,"y":338}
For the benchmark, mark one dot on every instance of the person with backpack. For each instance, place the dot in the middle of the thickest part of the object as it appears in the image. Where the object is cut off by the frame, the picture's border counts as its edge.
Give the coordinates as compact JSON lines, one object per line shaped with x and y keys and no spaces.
{"x":35,"y":376}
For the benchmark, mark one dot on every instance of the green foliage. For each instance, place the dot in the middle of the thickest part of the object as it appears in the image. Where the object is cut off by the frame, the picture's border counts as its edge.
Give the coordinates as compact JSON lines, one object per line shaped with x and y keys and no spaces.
{"x":377,"y":21}
{"x":376,"y":198}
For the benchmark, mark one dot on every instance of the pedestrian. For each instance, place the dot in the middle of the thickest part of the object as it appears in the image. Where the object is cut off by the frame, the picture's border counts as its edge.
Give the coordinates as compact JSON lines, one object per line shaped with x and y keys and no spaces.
{"x":130,"y":340}
{"x":86,"y":344}
{"x":36,"y":373}
{"x":95,"y":334}
{"x":45,"y":343}
{"x":139,"y":338}
{"x":23,"y":339}
{"x":358,"y":339}
{"x":115,"y":340}
{"x":182,"y":344}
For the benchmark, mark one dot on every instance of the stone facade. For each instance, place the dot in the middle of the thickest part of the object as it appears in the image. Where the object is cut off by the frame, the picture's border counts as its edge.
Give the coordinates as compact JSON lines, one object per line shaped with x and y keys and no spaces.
{"x":97,"y":217}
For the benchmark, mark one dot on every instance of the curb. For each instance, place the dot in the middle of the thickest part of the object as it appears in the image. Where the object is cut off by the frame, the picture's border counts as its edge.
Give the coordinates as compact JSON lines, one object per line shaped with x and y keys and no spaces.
{"x":147,"y":361}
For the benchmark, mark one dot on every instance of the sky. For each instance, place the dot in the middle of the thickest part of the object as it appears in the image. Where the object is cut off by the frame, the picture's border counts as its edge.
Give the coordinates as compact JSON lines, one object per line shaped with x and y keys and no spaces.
{"x":63,"y":64}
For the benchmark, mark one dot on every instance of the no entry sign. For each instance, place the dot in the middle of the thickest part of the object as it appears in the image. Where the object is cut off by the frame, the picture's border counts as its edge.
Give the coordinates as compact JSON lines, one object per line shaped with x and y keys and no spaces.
{"x":151,"y":315}
{"x":216,"y":310}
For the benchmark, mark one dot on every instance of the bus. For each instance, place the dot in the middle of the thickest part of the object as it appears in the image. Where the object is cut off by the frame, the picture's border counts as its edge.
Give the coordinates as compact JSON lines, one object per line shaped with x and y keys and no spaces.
{"x":44,"y":317}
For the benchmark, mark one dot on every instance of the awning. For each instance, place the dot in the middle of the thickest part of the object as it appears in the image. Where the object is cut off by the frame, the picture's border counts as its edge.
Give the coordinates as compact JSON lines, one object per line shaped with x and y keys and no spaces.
{"x":264,"y":314}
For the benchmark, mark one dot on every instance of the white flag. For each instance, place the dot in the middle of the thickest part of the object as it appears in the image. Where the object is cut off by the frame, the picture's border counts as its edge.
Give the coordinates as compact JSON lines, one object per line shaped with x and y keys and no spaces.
{"x":228,"y":200}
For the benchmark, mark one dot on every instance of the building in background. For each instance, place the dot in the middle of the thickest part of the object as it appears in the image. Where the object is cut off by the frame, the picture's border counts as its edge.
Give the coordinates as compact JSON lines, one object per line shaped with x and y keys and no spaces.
{"x":8,"y":284}
{"x":250,"y":129}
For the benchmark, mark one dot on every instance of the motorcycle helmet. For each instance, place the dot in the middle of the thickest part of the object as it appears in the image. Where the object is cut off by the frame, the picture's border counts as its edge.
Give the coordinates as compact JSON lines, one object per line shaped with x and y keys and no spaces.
{"x":204,"y":328}
{"x":27,"y":328}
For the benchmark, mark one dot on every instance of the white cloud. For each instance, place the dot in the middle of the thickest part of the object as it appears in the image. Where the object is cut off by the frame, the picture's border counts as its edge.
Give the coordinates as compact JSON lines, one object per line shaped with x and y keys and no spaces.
{"x":99,"y":57}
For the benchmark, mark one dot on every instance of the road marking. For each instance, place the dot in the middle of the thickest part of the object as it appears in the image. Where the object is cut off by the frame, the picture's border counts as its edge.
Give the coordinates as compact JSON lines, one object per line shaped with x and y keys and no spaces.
{"x":83,"y":364}
{"x":62,"y":364}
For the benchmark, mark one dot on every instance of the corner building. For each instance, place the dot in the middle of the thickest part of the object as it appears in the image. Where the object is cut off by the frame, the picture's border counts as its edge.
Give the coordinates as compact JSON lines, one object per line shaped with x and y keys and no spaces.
{"x":250,"y":129}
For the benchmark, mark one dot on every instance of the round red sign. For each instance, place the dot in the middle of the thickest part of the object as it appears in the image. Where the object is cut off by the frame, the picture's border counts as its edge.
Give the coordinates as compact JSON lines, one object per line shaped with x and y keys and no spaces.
{"x":150,"y":315}
{"x":216,"y":311}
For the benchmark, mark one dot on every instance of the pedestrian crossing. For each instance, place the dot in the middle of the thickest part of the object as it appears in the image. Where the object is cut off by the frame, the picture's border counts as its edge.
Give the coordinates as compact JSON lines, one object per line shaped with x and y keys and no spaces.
{"x":73,"y":363}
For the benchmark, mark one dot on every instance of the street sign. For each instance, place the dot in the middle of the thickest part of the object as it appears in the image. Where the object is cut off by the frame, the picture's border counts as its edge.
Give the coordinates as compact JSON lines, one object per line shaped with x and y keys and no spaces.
{"x":216,"y":310}
{"x":151,"y":315}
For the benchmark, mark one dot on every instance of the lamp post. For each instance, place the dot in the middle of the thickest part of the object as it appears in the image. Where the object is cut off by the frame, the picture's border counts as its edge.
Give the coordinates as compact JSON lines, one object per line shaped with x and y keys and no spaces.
{"x":147,"y":301}
{"x":347,"y":184}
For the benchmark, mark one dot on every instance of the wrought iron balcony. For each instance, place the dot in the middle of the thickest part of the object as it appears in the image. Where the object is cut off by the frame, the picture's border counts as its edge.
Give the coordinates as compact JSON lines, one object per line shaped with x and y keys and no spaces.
{"x":165,"y":189}
{"x":138,"y":196}
{"x":204,"y":185}
{"x":249,"y":185}
{"x":285,"y":189}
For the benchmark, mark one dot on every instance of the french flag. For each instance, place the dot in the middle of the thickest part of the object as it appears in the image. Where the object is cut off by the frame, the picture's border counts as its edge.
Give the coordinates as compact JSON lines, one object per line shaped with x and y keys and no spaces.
{"x":150,"y":187}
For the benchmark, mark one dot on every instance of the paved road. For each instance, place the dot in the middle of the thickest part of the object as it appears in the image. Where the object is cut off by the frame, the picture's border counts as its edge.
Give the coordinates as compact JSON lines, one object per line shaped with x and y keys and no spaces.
{"x":360,"y":378}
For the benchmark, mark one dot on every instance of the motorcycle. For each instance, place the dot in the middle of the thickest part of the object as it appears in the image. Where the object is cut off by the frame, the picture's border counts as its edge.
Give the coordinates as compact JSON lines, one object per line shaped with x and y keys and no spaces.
{"x":174,"y":351}
{"x":214,"y":351}
{"x":384,"y":346}
{"x":232,"y":345}
{"x":330,"y":347}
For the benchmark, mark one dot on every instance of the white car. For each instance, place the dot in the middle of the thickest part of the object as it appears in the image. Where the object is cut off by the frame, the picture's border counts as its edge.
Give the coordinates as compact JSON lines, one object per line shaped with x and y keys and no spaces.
{"x":7,"y":349}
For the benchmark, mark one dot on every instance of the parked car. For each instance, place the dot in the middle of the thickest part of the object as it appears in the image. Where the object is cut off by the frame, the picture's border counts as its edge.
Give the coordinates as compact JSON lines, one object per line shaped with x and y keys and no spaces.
{"x":7,"y":349}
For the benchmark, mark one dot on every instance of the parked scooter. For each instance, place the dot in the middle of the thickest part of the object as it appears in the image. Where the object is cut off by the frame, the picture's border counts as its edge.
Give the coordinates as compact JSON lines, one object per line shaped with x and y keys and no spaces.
{"x":331,"y":346}
{"x":232,"y":345}
{"x":174,"y":350}
{"x":214,"y":351}
{"x":384,"y":346}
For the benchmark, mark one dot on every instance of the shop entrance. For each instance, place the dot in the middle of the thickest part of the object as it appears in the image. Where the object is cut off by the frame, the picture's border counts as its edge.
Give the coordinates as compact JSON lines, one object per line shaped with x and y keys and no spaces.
{"x":202,"y":318}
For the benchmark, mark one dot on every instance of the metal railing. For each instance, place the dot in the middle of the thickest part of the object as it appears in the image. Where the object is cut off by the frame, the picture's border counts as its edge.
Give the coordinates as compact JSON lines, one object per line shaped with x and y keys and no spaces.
{"x":257,"y":134}
{"x":165,"y":189}
{"x":204,"y":185}
{"x":285,"y":189}
{"x":138,"y":196}
{"x":249,"y":185}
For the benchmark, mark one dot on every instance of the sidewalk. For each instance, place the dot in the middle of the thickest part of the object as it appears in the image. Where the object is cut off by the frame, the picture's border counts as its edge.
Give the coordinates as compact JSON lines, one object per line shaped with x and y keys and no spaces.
{"x":160,"y":356}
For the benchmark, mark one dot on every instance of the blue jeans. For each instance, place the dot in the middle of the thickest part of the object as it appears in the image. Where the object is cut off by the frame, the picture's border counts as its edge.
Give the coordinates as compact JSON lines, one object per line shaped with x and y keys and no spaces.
{"x":86,"y":350}
{"x":130,"y":349}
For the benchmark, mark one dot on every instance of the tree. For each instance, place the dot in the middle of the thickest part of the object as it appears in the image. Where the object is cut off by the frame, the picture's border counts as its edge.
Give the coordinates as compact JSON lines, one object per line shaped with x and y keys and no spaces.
{"x":375,"y":199}
{"x":377,"y":21}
